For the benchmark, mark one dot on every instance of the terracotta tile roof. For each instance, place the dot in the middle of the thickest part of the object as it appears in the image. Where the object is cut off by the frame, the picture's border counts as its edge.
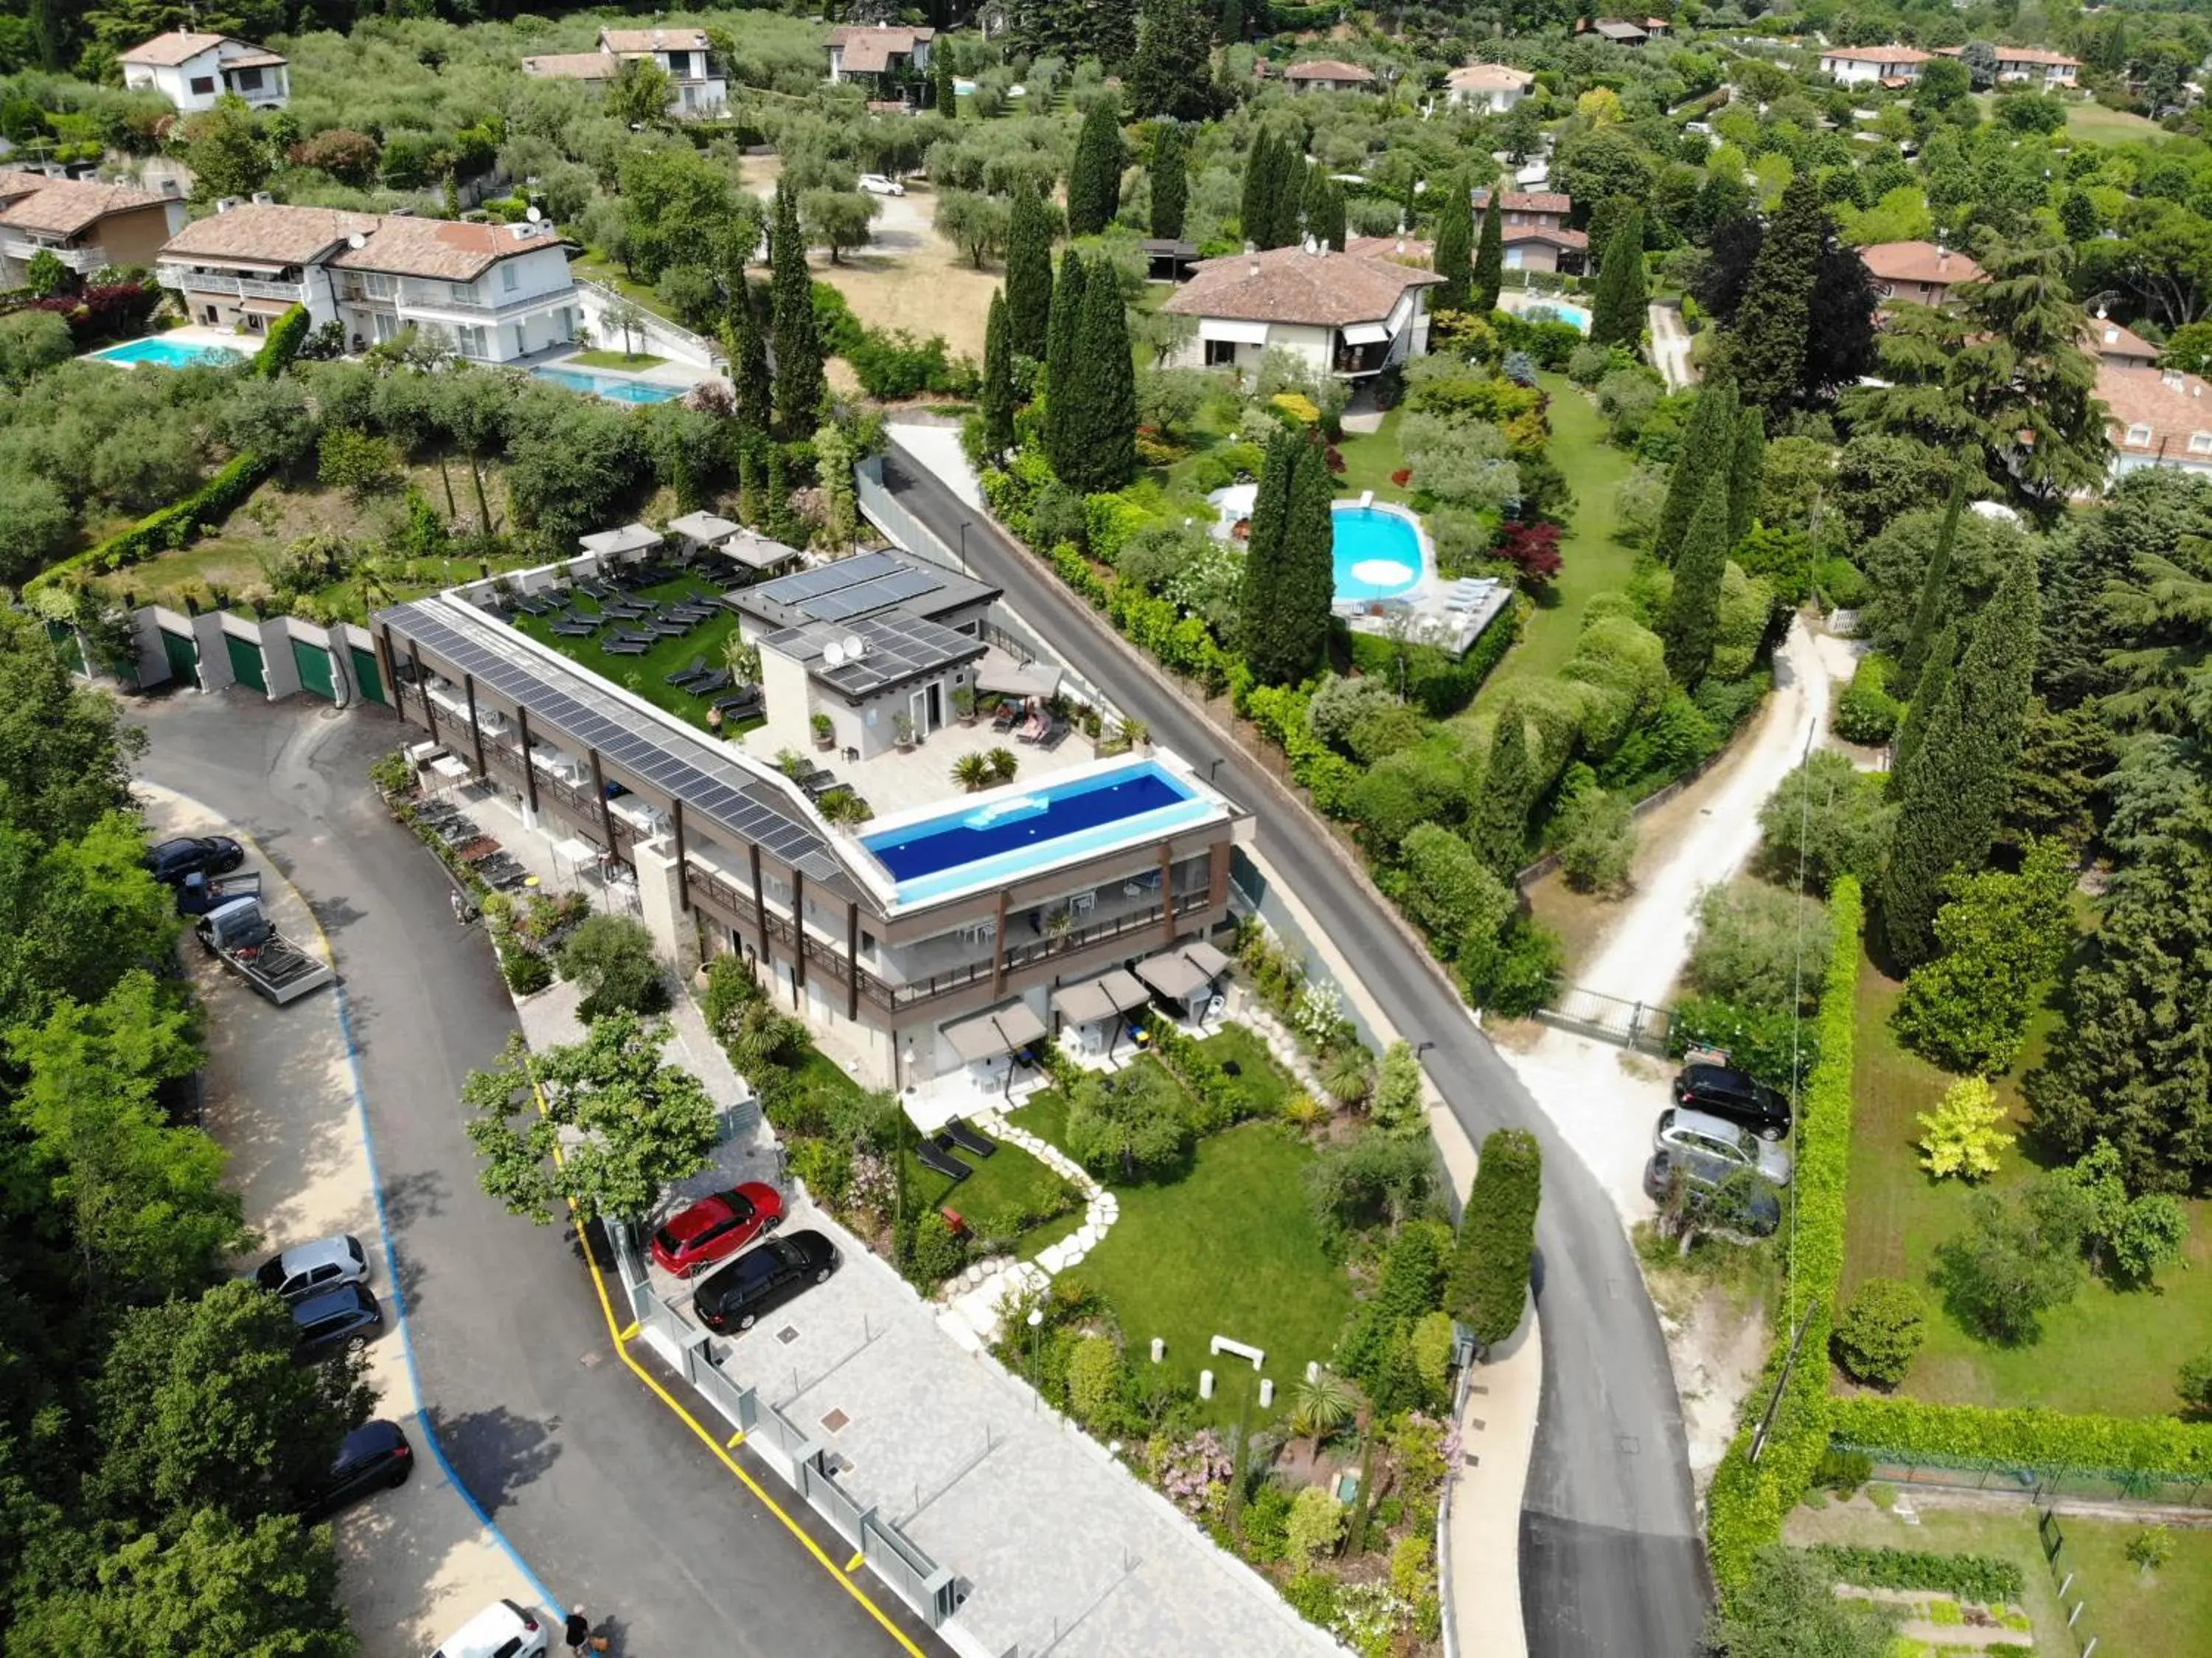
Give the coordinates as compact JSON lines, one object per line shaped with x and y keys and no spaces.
{"x":573,"y":66}
{"x":1488,"y":77}
{"x":1874,"y":55}
{"x":1560,"y":237}
{"x":869,"y":49}
{"x":2173,"y":405}
{"x":1527,"y":201}
{"x":255,"y":57}
{"x":176,"y":46}
{"x":444,"y":249}
{"x":1288,"y":284}
{"x":2035,"y":55}
{"x":267,"y":234}
{"x":640,"y":40}
{"x":1402,"y":250}
{"x":2105,"y":339}
{"x":1619,"y":29}
{"x":1919,"y":261}
{"x":62,"y":207}
{"x":1327,"y":69}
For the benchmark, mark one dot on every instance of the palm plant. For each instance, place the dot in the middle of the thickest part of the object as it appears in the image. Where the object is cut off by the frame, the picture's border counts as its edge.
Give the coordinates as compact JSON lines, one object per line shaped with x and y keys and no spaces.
{"x":1003,"y":765}
{"x":1320,"y":1405}
{"x":971,"y":771}
{"x":743,"y":659}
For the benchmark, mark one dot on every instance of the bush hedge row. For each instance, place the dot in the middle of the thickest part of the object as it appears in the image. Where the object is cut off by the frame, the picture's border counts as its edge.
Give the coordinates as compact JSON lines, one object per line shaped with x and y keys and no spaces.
{"x":173,"y":526}
{"x":1746,"y":1505}
{"x":1220,"y":1102}
{"x":2033,"y":1438}
{"x":1970,"y":1576}
{"x":1489,"y":1286}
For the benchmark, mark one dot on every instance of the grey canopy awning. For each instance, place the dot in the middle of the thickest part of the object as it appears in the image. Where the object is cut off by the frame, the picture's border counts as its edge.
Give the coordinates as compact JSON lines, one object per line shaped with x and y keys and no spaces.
{"x":703,"y":527}
{"x":1106,"y":997}
{"x":630,"y":538}
{"x":1186,"y":971}
{"x":756,"y":552}
{"x":1001,"y":673}
{"x":1002,"y":1029}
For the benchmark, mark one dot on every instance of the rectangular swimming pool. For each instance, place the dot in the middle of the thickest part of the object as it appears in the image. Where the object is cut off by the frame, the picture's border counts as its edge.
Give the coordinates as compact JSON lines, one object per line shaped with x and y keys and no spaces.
{"x":1001,"y":838}
{"x":613,"y":387}
{"x":165,"y":353}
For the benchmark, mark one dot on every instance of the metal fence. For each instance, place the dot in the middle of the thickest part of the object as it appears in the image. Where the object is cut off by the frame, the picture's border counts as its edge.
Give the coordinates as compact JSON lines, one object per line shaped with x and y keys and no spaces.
{"x":2052,"y":1537}
{"x":2043,"y":1486}
{"x":1593,"y":1013}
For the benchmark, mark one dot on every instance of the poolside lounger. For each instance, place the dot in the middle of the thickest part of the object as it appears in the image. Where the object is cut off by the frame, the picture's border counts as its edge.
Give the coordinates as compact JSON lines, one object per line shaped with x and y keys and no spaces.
{"x":574,"y":630}
{"x":696,"y":670}
{"x":736,"y":708}
{"x":626,"y":648}
{"x":668,"y":629}
{"x":1032,"y":728}
{"x":818,"y":783}
{"x":967,"y":1139}
{"x":943,"y":1162}
{"x":707,"y":684}
{"x":1006,"y":717}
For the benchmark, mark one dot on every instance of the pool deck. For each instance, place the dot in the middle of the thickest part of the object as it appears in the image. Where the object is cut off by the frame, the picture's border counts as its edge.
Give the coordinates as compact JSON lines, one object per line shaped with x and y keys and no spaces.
{"x":899,"y":784}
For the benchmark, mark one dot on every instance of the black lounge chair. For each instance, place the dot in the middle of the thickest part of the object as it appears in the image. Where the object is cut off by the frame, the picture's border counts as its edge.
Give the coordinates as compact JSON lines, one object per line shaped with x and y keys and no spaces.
{"x":695,"y":671}
{"x":944,"y":1162}
{"x":626,"y":648}
{"x":1008,"y":715}
{"x":574,"y":630}
{"x":818,"y":783}
{"x":708,"y":685}
{"x":631,"y":636}
{"x":743,"y":706}
{"x":976,"y":1145}
{"x":668,"y":628}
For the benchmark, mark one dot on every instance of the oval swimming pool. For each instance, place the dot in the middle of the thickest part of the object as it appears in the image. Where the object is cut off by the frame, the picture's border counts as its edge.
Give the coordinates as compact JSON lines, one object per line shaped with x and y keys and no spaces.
{"x":1378,"y":554}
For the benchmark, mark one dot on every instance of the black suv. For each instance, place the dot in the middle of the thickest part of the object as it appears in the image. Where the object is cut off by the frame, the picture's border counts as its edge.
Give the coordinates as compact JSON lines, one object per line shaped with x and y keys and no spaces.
{"x":1724,"y":1091}
{"x":171,"y":861}
{"x":345,"y":1317}
{"x":375,"y":1455}
{"x":764,"y":1278}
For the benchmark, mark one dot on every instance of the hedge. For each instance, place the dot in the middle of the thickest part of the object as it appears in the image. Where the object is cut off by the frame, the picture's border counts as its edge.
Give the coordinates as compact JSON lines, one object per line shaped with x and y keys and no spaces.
{"x":2033,"y":1439}
{"x":1745,"y":1507}
{"x":1970,"y":1576}
{"x":1219,"y":1102}
{"x":173,"y":526}
{"x":1497,"y":1237}
{"x":285,"y":337}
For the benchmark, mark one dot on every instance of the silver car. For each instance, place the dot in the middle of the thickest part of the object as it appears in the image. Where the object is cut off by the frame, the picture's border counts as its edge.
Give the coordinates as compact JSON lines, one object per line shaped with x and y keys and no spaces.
{"x":309,"y":1269}
{"x":1684,"y":1130}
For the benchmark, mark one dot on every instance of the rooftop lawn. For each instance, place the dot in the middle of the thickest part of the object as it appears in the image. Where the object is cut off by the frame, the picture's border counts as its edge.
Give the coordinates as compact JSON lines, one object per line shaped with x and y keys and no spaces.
{"x":646,"y":676}
{"x":2108,"y":1352}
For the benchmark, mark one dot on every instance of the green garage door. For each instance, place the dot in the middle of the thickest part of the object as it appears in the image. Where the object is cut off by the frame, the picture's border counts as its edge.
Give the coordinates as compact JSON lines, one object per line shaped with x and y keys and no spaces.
{"x":183,"y":656}
{"x":366,"y":676}
{"x":246,"y":661}
{"x":315,"y":665}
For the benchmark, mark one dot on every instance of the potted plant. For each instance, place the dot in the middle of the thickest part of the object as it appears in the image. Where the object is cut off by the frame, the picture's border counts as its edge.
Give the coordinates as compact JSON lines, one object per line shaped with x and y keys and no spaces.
{"x":903,"y":729}
{"x":963,"y":703}
{"x":971,"y":771}
{"x":825,"y":732}
{"x":1060,"y":925}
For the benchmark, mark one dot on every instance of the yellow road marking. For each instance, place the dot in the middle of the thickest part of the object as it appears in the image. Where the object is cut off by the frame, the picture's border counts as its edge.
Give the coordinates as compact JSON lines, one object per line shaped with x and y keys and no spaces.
{"x":858,"y":1554}
{"x":735,"y":1440}
{"x":624,"y":1335}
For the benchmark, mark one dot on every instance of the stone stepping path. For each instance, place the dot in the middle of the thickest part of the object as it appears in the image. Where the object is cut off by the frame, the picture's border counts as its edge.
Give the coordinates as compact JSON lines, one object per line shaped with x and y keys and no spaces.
{"x":970,"y":1313}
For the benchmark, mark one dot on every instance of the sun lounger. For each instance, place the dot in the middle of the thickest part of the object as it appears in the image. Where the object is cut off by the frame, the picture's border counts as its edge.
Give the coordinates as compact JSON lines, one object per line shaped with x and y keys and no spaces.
{"x":743,"y":706}
{"x":1032,"y":728}
{"x":967,"y":1139}
{"x":625,"y":648}
{"x":668,"y":628}
{"x":708,"y":684}
{"x":574,"y":630}
{"x":944,"y":1162}
{"x":1008,"y":715}
{"x":697,"y":668}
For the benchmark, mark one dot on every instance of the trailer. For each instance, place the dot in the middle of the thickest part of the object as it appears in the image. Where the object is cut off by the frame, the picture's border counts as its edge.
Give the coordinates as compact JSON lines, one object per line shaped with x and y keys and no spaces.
{"x":200,"y":895}
{"x":240,"y":936}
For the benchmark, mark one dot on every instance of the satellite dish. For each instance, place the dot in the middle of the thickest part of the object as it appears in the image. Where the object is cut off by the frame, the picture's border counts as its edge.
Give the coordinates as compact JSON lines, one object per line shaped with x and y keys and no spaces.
{"x":533,"y":216}
{"x":834,"y":654}
{"x":855,"y":647}
{"x":356,"y":240}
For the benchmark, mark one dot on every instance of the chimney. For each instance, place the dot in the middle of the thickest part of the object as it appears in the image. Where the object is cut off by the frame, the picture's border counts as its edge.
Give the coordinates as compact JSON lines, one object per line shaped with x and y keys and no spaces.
{"x":172,"y":189}
{"x":263,"y":198}
{"x":1252,"y":253}
{"x":224,"y":204}
{"x":2171,"y":377}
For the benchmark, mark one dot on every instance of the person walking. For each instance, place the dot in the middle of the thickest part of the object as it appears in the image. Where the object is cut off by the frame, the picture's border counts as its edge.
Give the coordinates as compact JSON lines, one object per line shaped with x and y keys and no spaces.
{"x":578,"y":1634}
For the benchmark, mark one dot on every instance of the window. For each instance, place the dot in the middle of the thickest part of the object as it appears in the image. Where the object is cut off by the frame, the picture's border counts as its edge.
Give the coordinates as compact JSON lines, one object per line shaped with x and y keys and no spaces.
{"x":377,"y":285}
{"x":249,"y":80}
{"x":2200,"y":442}
{"x":471,"y":341}
{"x":2139,"y":437}
{"x":507,"y":277}
{"x":1220,"y":353}
{"x":203,"y":84}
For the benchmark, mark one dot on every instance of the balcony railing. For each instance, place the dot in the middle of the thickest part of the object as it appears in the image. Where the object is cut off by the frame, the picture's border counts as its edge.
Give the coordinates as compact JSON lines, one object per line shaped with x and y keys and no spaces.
{"x":425,"y":299}
{"x":79,"y":259}
{"x":217,"y":282}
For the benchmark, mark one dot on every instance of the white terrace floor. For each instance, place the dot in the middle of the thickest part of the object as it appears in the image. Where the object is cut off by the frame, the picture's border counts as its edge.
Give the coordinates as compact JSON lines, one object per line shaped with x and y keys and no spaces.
{"x":895,"y":781}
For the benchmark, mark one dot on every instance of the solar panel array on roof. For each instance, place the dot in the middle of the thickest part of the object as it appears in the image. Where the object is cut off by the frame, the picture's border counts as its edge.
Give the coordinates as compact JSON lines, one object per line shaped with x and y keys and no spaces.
{"x":714,"y":790}
{"x":896,"y":648}
{"x":863,"y":598}
{"x":797,"y":588}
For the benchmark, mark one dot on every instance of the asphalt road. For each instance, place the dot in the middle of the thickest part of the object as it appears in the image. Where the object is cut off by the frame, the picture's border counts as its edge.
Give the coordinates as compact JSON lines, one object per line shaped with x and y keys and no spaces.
{"x":611,"y":1500}
{"x":1611,"y":1559}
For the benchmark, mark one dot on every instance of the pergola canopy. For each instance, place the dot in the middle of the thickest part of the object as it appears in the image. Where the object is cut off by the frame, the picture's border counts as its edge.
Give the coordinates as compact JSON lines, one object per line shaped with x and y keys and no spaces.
{"x":703,"y":527}
{"x":630,"y":538}
{"x":1002,"y":674}
{"x":1107,"y":997}
{"x":1184,"y":971}
{"x":1002,"y":1029}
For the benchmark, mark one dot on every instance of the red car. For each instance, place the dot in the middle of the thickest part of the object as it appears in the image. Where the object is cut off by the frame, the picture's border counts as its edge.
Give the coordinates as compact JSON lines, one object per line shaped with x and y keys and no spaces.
{"x":717,"y":1226}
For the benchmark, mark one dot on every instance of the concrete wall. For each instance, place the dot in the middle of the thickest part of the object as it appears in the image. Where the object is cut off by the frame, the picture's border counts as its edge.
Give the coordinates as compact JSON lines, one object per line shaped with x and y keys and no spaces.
{"x":659,"y":336}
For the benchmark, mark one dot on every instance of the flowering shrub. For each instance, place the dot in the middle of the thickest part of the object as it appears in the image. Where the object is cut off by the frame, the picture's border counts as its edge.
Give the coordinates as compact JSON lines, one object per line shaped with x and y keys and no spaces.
{"x":1193,"y":1473}
{"x":1531,"y":549}
{"x":1316,"y":1011}
{"x":1368,"y":1618}
{"x":1402,"y":477}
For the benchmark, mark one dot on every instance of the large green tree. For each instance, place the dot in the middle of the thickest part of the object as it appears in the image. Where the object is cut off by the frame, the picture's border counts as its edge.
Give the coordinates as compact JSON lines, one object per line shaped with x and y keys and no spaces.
{"x":1029,"y":272}
{"x":1284,"y":612}
{"x":1270,"y":200}
{"x":638,"y":1125}
{"x":1099,"y":405}
{"x":1691,"y":623}
{"x":1746,"y":473}
{"x":1765,"y":354}
{"x":1617,"y":313}
{"x":1928,"y":690}
{"x":65,"y":753}
{"x":1170,"y":182}
{"x":1171,"y":75}
{"x":2002,"y":935}
{"x":998,"y":380}
{"x":1928,"y":607}
{"x":800,"y":383}
{"x":1061,"y":373}
{"x":1094,"y":178}
{"x":1490,"y":256}
{"x":1790,"y":1609}
{"x":746,"y":347}
{"x":1454,"y":245}
{"x":1497,"y":823}
{"x":1703,"y":455}
{"x":1954,"y":790}
{"x":1489,"y":1286}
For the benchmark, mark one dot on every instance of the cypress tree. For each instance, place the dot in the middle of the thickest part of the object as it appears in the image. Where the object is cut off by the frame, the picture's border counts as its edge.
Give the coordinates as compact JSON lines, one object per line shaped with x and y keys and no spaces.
{"x":1257,"y":209}
{"x":1454,"y":247}
{"x":1325,"y":211}
{"x":1747,"y":474}
{"x":1616,"y":314}
{"x":998,"y":380}
{"x":1098,"y":409}
{"x":940,"y":86}
{"x":1029,"y":273}
{"x":1490,"y":257}
{"x":1705,"y":445}
{"x":748,"y":354}
{"x":1693,"y":610}
{"x":1112,"y":30}
{"x":1170,"y":182}
{"x":1060,"y":376}
{"x":1499,"y":826}
{"x":800,"y":383}
{"x":1261,"y":589}
{"x":1766,"y":349}
{"x":1308,"y":566}
{"x":1958,"y":783}
{"x":1935,"y":680}
{"x":1935,"y":587}
{"x":1094,"y":178}
{"x":1172,"y":74}
{"x":753,"y":479}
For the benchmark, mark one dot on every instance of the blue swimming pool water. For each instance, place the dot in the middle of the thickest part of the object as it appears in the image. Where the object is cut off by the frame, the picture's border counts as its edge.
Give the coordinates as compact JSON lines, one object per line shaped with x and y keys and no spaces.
{"x":1562,"y":311}
{"x":1377,"y":554}
{"x":999,"y":838}
{"x":167,"y":353}
{"x":610,"y":387}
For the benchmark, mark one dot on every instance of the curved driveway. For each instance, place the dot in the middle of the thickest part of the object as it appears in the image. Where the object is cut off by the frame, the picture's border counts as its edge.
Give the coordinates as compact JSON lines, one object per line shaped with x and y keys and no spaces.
{"x":1611,"y":1561}
{"x":610,"y":1499}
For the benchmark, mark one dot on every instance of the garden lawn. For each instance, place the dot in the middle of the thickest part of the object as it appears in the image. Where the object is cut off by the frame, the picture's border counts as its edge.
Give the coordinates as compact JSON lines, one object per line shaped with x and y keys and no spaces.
{"x":1004,"y":1187}
{"x":2094,"y":123}
{"x":2106,"y":1352}
{"x":1260,"y":1077}
{"x":1591,"y":560}
{"x":632,"y":360}
{"x":646,"y":675}
{"x":1370,"y":458}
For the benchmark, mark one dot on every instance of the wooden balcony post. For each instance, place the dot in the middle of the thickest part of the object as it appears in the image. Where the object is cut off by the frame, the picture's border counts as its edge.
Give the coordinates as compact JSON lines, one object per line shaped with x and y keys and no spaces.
{"x":529,"y":771}
{"x":682,"y":870}
{"x":599,"y":792}
{"x":999,"y":947}
{"x":852,"y":960}
{"x":760,"y":903}
{"x":1167,"y":896}
{"x":475,"y":728}
{"x":798,"y":930}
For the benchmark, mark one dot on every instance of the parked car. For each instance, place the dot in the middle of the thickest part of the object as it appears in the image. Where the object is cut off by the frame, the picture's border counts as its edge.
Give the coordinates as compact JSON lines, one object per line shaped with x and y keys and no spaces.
{"x":1724,"y":1091}
{"x":876,"y":185}
{"x":502,"y":1630}
{"x":375,"y":1455}
{"x":171,"y":861}
{"x":762,"y":1279}
{"x":345,"y":1317}
{"x":716,"y":1228}
{"x":308,"y":1269}
{"x":1715,"y":1137}
{"x":1721,"y":1193}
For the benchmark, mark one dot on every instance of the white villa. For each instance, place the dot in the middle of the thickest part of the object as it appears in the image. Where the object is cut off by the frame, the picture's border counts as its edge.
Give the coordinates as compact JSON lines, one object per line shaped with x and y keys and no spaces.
{"x":192,"y":70}
{"x":1347,"y":314}
{"x":1493,"y":88}
{"x":685,"y":54}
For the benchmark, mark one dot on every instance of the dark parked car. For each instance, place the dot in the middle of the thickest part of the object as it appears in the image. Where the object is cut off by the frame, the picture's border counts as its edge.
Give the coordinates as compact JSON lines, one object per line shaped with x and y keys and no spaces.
{"x":716,"y":1228}
{"x":762,"y":1279}
{"x":342,"y":1318}
{"x":375,"y":1455}
{"x":171,"y":861}
{"x":1720,"y":1193}
{"x":1724,"y":1091}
